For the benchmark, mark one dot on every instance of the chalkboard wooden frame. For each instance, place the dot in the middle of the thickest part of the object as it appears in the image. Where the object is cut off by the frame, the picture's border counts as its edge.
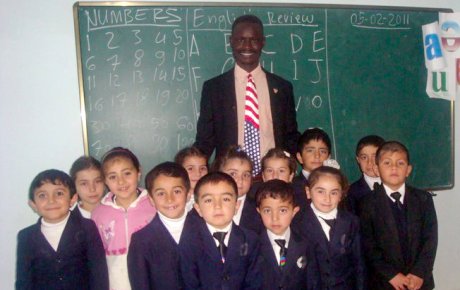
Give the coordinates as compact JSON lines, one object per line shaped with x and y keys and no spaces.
{"x":81,"y":70}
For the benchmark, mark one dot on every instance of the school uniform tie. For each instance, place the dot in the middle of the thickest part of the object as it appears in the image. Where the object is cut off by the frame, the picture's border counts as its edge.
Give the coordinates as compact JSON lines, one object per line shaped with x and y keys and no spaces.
{"x":251,"y":125}
{"x":220,"y":237}
{"x":397,"y":196}
{"x":376,"y":185}
{"x":331,"y":224}
{"x":283,"y":251}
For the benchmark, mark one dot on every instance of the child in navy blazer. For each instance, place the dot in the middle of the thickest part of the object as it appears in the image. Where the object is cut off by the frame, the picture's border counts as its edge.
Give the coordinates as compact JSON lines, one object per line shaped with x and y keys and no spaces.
{"x":236,"y":163}
{"x":334,"y":232}
{"x":62,"y":250}
{"x":216,"y":253}
{"x":399,"y":226}
{"x":365,"y":156}
{"x":313,"y":147}
{"x":288,"y":259}
{"x":153,"y":256}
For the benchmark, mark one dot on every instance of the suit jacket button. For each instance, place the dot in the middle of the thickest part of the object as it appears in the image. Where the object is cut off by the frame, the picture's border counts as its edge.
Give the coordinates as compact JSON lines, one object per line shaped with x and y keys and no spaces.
{"x":226,"y":277}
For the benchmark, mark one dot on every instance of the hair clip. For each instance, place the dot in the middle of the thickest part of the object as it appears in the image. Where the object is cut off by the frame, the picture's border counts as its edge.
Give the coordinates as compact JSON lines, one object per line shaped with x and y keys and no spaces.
{"x":239,"y":149}
{"x":331,"y":163}
{"x":287,"y":154}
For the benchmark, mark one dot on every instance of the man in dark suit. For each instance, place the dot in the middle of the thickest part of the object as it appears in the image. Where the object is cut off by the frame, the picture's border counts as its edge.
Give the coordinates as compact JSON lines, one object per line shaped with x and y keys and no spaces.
{"x":399,"y":226}
{"x":221,"y":121}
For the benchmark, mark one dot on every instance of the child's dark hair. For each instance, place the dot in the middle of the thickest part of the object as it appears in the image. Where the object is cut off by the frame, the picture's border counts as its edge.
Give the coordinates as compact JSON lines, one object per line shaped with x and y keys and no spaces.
{"x":281,"y":154}
{"x":232,"y":152}
{"x":186,"y":152}
{"x":249,"y":18}
{"x":327,"y":170}
{"x":391,"y":146}
{"x":53,"y":176}
{"x":313,"y":134}
{"x":120,"y":152}
{"x":169,"y":169}
{"x":83,"y":163}
{"x":214,"y":178}
{"x":277,"y":189}
{"x":370,"y":140}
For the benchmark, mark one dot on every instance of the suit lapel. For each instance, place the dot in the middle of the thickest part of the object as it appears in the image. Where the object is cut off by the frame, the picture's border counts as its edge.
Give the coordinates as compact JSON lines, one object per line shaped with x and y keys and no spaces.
{"x":67,"y":238}
{"x":267,"y":251}
{"x":229,"y":99}
{"x":209,"y":245}
{"x":274,"y":92}
{"x":314,"y":227}
{"x":389,"y":229}
{"x":295,"y":257}
{"x":412,"y":216}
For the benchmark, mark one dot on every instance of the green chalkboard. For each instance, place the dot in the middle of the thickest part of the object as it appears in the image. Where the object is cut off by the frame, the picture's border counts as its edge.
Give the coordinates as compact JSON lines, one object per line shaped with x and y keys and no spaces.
{"x":356,"y":71}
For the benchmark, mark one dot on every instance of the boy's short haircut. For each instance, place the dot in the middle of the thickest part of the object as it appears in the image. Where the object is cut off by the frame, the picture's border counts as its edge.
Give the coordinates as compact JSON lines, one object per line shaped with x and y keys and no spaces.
{"x":281,"y":154}
{"x":214,"y":178}
{"x":248,"y":18}
{"x":324,"y":170}
{"x":313,"y":134}
{"x":277,"y":189}
{"x":189,"y":152}
{"x":391,"y":146}
{"x":232,"y":152}
{"x":370,"y":140}
{"x":53,"y":176}
{"x":169,"y":169}
{"x":120,"y":152}
{"x":84,"y":163}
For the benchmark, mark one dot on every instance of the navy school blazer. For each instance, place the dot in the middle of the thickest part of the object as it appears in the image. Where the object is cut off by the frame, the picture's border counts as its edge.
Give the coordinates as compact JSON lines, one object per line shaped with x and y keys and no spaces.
{"x":340,"y":260}
{"x":301,"y":269}
{"x":381,"y":241}
{"x":153,"y":258}
{"x":201,"y":264}
{"x":79,"y":262}
{"x":299,"y":183}
{"x":356,"y":192}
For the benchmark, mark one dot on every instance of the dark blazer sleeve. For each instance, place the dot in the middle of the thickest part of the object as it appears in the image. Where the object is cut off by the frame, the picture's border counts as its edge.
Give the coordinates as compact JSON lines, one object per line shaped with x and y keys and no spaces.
{"x":283,"y":112}
{"x":205,"y":131}
{"x":23,"y":261}
{"x":138,"y":268}
{"x":423,"y":264}
{"x":189,"y":248}
{"x":97,"y":264}
{"x":358,"y":256}
{"x":253,"y":279}
{"x":370,"y":232}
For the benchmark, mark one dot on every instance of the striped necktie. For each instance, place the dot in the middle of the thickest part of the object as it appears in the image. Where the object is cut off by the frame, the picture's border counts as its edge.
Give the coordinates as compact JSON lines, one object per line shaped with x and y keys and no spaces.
{"x":251,"y":125}
{"x":283,"y":251}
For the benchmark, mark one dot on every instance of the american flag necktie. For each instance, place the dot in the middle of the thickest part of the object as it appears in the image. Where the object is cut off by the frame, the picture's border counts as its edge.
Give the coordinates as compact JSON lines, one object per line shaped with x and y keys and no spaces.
{"x":251,"y":125}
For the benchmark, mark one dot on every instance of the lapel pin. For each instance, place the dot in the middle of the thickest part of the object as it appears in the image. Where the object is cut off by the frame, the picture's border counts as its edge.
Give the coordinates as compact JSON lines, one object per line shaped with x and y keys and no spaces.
{"x":275,"y":90}
{"x":302,"y":262}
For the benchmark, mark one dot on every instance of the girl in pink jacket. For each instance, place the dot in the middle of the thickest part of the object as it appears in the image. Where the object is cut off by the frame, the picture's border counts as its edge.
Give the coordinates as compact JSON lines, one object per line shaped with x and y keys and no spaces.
{"x":123,"y":211}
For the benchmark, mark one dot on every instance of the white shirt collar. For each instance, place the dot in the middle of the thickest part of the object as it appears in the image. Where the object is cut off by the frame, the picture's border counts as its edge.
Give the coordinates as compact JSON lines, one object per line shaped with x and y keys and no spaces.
{"x":330,"y":215}
{"x":227,"y":229}
{"x":305,"y":173}
{"x":241,"y":72}
{"x":174,"y":226}
{"x":401,"y":190}
{"x":286,"y":236}
{"x":84,"y":213}
{"x":371,"y":180}
{"x":239,"y":212}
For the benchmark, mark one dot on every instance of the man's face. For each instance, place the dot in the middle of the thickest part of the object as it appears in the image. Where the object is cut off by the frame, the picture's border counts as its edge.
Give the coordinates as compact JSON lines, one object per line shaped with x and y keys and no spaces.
{"x":247,"y":41}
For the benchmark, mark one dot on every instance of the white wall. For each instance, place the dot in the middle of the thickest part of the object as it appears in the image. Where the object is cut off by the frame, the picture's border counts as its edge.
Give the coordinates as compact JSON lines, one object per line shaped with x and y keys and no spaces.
{"x":40,"y":121}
